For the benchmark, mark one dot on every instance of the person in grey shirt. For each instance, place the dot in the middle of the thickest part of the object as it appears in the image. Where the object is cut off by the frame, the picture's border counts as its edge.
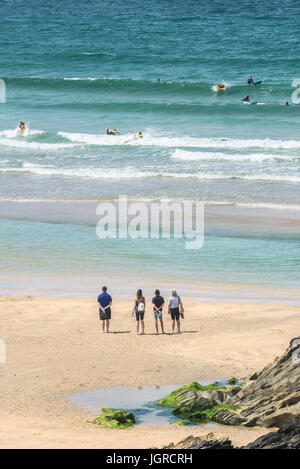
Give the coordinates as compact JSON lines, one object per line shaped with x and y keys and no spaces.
{"x":173,"y":309}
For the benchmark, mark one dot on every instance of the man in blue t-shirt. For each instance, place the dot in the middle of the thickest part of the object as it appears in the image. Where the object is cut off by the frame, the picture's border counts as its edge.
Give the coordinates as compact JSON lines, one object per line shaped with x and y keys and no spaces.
{"x":105,"y":300}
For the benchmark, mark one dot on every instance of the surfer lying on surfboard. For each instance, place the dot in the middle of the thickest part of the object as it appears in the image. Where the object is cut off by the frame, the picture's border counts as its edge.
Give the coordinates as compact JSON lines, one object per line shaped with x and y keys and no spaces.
{"x":252,"y":82}
{"x":112,"y":132}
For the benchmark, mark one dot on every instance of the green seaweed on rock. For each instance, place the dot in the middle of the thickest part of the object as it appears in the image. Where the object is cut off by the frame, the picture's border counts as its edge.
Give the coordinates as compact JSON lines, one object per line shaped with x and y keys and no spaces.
{"x":172,"y":399}
{"x":114,"y":418}
{"x":232,"y":381}
{"x":196,"y":403}
{"x":202,"y":414}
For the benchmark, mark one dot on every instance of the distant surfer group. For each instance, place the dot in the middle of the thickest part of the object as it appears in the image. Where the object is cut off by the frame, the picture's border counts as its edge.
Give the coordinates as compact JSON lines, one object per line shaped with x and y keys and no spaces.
{"x":246,"y":99}
{"x":22,"y":128}
{"x":250,"y":81}
{"x":219,"y":87}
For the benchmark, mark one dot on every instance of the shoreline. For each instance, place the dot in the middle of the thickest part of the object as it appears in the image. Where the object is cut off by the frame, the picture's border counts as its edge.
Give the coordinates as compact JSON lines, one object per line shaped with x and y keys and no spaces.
{"x":43,"y":286}
{"x":53,"y":249}
{"x":54,"y":350}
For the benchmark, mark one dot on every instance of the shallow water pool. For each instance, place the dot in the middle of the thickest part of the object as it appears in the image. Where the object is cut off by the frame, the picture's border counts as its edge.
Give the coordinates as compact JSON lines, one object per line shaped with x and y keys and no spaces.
{"x":141,"y":401}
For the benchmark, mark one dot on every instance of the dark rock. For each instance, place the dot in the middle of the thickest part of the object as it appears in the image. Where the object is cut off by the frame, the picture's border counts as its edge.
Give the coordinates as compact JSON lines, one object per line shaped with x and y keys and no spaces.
{"x":273,"y":399}
{"x":227,"y":417}
{"x":219,"y":396}
{"x":287,"y":437}
{"x":205,"y":400}
{"x":212,"y":444}
{"x":233,"y":390}
{"x":205,"y":442}
{"x":187,"y":398}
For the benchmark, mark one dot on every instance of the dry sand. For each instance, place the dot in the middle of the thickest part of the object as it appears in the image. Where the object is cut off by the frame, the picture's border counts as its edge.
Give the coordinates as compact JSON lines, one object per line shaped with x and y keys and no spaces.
{"x":55,"y":349}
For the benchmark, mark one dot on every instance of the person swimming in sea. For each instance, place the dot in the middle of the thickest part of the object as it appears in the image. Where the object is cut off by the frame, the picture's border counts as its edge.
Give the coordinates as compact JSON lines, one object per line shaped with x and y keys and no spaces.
{"x":250,"y":80}
{"x":112,"y":132}
{"x":246,"y":99}
{"x":22,"y":126}
{"x":139,"y":135}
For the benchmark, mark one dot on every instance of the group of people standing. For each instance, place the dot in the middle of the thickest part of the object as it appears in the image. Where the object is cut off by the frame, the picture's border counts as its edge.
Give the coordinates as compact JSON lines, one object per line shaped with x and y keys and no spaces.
{"x":175,"y":309}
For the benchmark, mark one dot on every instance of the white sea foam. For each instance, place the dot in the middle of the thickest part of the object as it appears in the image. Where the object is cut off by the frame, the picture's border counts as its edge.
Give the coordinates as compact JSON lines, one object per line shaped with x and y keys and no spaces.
{"x":15,"y":139}
{"x":80,"y":79}
{"x":22,"y":143}
{"x":14,"y":133}
{"x":101,"y":140}
{"x":88,"y":173}
{"x":132,"y":173}
{"x":149,"y":140}
{"x":254,"y":157}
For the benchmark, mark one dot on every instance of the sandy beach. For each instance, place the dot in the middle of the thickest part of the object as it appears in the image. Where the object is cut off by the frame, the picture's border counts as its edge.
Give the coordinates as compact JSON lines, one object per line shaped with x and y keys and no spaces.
{"x":55,"y":349}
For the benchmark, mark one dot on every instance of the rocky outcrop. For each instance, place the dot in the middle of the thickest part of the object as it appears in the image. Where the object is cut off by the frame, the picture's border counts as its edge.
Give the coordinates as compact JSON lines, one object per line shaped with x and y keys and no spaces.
{"x":199,"y":404}
{"x":198,"y":442}
{"x":287,"y":437}
{"x":273,"y":398}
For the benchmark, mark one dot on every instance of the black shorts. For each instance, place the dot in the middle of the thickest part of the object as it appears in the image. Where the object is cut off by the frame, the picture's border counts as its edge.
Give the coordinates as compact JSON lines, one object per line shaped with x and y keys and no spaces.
{"x":175,"y":313}
{"x":106,"y":315}
{"x":139,"y":316}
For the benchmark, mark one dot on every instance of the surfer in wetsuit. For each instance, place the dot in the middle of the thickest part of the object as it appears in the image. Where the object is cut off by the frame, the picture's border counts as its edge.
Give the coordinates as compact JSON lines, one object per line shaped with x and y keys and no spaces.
{"x":112,"y":132}
{"x":246,"y":99}
{"x":22,"y":126}
{"x":252,"y":82}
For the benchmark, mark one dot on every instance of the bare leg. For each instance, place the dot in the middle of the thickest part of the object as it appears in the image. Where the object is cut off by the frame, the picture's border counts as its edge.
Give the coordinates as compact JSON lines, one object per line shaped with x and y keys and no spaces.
{"x":173,"y":325}
{"x":178,"y":326}
{"x":143,"y":326}
{"x":162,"y":326}
{"x":137,"y":326}
{"x":107,"y":325}
{"x":103,"y":325}
{"x":156,"y":326}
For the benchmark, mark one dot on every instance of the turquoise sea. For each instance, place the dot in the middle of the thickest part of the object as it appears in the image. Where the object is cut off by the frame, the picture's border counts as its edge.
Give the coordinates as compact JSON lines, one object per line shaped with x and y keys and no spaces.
{"x":72,"y":69}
